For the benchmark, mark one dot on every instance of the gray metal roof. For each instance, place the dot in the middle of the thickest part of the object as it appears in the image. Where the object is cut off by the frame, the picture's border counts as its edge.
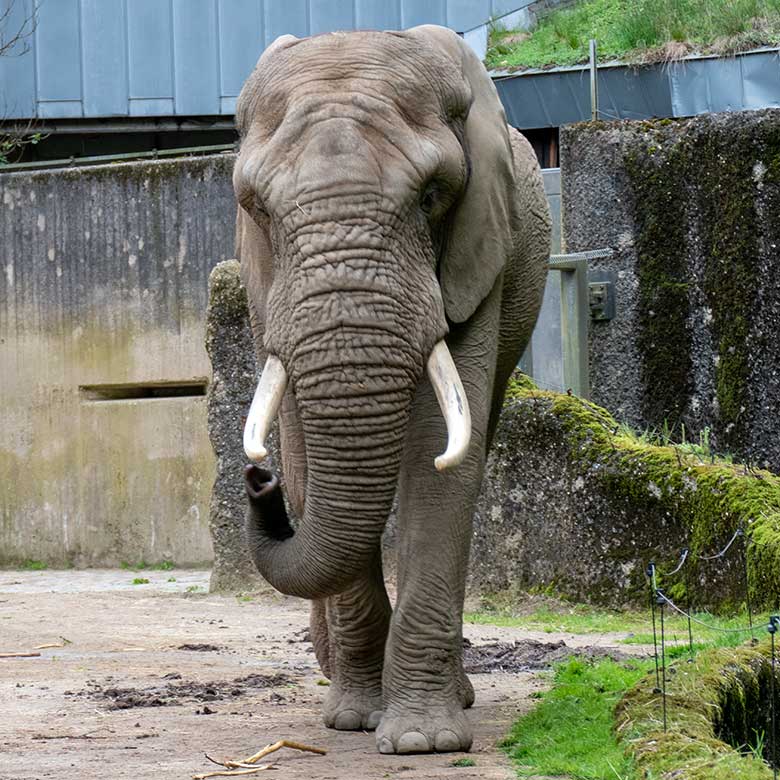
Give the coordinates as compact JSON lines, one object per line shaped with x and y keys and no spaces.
{"x":696,"y":85}
{"x":147,"y":58}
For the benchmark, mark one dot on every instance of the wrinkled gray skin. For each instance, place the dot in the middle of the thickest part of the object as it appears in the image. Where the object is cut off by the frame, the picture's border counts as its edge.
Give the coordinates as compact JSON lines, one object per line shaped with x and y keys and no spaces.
{"x":384,"y":204}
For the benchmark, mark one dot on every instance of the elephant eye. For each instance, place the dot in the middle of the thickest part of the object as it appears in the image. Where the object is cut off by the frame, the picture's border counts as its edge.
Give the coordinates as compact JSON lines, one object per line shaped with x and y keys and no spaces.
{"x":436,"y":198}
{"x":429,"y":198}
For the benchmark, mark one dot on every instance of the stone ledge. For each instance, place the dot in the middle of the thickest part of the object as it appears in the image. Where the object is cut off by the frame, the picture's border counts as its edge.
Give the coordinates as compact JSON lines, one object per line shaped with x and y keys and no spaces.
{"x":575,"y":503}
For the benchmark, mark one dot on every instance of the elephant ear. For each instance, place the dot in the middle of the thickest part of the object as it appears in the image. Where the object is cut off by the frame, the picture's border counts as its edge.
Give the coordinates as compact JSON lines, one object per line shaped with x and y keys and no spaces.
{"x":253,"y":242}
{"x":480,"y":238}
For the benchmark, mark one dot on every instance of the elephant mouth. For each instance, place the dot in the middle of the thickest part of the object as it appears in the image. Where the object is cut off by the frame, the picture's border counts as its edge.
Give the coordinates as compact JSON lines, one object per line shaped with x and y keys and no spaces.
{"x":444,"y":378}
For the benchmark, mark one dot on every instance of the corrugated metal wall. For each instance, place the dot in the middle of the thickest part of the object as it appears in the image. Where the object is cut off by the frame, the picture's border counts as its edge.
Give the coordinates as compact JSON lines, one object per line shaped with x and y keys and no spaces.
{"x":103,"y":58}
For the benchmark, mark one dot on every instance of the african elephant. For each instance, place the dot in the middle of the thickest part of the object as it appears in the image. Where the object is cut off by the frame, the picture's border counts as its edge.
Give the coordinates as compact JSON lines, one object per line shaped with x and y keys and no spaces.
{"x":393,"y":234}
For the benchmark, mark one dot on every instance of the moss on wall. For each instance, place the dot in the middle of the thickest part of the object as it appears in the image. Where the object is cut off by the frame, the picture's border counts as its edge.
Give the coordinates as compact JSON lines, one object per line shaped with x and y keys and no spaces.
{"x":699,"y":188}
{"x":716,"y":705}
{"x":709,"y":498}
{"x":664,"y":337}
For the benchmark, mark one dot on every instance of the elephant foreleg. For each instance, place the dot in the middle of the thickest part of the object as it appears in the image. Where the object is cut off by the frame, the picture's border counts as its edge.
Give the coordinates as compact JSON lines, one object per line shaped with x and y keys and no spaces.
{"x":425,"y":687}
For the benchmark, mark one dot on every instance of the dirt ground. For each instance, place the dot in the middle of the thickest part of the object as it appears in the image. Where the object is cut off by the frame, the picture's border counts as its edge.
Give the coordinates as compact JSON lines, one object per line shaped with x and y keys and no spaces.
{"x":154,"y":676}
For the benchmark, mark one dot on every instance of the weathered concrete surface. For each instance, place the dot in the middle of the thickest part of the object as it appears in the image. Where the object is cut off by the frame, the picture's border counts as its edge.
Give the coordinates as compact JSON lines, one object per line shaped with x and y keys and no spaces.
{"x":546,"y":522}
{"x":231,"y":350}
{"x":573,"y":504}
{"x":103,"y":283}
{"x":692,"y":208}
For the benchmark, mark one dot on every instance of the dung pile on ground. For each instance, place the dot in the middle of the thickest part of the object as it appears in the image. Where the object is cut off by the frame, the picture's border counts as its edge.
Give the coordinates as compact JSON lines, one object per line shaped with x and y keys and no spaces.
{"x":527,"y":655}
{"x":173,"y":692}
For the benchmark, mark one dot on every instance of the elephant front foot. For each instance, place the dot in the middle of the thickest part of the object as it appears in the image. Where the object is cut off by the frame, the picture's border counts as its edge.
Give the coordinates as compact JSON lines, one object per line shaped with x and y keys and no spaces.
{"x":352,"y":709}
{"x":437,"y":729}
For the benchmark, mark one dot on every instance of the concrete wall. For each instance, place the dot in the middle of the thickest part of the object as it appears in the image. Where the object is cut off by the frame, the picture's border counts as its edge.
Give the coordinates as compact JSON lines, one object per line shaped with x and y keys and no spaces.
{"x":103,"y":296}
{"x":692,"y":208}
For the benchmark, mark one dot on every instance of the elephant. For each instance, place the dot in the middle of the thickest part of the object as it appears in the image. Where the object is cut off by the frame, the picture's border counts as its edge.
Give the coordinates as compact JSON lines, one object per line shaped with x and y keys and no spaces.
{"x":393,"y":235}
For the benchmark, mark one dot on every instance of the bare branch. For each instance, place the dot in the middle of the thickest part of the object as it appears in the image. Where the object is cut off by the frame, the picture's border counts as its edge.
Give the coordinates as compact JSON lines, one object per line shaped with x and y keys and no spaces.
{"x":15,"y":38}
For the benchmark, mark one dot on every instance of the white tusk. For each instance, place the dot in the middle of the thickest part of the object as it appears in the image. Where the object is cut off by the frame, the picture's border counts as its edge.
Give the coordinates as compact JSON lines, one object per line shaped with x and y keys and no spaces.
{"x":265,"y":405}
{"x":454,"y":406}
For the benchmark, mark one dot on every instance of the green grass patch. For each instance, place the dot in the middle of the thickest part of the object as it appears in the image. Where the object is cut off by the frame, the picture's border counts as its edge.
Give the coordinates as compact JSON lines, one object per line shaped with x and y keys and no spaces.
{"x":637,"y":30}
{"x":571,"y":732}
{"x":140,"y":581}
{"x":464,"y":762}
{"x":144,"y":566}
{"x":578,"y":619}
{"x":34,"y":566}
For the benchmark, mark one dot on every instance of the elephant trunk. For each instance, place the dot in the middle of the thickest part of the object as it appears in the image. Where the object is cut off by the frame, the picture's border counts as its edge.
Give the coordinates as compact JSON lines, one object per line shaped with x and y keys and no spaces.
{"x":354,"y":419}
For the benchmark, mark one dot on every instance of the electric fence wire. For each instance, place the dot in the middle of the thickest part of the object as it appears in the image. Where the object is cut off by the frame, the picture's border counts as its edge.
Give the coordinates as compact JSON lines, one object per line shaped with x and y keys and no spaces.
{"x":737,"y":534}
{"x":674,"y":606}
{"x":681,"y":563}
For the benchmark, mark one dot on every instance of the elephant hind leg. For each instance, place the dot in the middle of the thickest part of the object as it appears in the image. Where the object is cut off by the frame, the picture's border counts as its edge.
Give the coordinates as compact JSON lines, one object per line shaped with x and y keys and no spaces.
{"x":357,"y":624}
{"x":318,"y":631}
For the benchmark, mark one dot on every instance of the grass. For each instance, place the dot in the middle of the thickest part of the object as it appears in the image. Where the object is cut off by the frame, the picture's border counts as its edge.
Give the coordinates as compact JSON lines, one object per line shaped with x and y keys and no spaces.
{"x":635,"y":624}
{"x":680,"y":439}
{"x":144,"y":566}
{"x":34,"y":566}
{"x":140,"y":581}
{"x":570,"y":732}
{"x":577,"y":619}
{"x":638,"y":30}
{"x":460,"y":762}
{"x":719,"y":696}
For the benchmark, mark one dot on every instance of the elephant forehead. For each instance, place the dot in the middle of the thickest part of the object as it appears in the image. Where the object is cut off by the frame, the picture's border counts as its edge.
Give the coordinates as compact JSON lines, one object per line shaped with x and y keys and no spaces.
{"x":387,"y":67}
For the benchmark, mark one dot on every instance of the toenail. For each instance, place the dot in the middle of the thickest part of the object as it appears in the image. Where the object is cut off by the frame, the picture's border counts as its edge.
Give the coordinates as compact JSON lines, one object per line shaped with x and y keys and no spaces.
{"x":447,"y":741}
{"x":413,"y":742}
{"x":348,"y":720}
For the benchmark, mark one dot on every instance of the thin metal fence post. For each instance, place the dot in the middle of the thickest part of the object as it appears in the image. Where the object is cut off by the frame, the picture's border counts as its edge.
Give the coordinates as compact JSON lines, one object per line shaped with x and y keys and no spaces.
{"x":774,"y":620}
{"x":748,"y":602}
{"x":651,"y":577}
{"x":661,"y":601}
{"x":689,"y":594}
{"x":594,"y":81}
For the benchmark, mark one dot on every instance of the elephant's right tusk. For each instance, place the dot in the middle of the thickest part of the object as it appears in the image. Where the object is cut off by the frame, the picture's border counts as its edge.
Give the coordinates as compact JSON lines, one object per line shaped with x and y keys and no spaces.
{"x":454,"y":406}
{"x":265,"y":405}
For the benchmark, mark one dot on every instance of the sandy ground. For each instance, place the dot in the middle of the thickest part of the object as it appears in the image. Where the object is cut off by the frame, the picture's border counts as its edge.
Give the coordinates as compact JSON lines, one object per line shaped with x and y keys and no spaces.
{"x":252,"y":681}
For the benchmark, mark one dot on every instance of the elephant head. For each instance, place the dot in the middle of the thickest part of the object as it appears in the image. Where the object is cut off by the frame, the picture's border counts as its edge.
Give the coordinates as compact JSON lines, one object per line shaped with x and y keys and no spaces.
{"x":375,"y":189}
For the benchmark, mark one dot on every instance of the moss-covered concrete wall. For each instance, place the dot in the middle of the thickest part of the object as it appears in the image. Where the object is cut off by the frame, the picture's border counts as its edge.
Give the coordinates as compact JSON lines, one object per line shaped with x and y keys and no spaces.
{"x":718,"y":718}
{"x":103,"y":281}
{"x":692,"y":208}
{"x":577,"y":504}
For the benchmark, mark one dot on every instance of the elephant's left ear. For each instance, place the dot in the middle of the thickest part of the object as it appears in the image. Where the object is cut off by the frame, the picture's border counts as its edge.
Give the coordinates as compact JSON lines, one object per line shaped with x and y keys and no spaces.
{"x":480,"y":239}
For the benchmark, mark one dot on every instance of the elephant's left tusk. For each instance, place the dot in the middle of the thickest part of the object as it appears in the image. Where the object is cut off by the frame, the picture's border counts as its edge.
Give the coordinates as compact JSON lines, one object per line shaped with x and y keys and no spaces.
{"x":265,"y":405}
{"x":454,"y":406}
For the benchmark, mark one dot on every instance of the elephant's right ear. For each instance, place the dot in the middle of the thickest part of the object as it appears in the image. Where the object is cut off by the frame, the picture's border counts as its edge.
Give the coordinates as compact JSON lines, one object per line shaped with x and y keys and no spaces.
{"x":480,"y":238}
